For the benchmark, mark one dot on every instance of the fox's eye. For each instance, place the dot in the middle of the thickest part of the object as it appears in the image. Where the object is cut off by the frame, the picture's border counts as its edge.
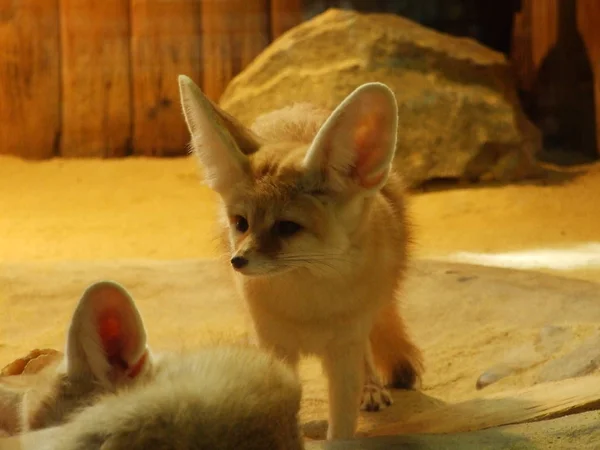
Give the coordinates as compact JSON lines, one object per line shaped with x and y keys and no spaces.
{"x":286,"y":228}
{"x":241,"y":224}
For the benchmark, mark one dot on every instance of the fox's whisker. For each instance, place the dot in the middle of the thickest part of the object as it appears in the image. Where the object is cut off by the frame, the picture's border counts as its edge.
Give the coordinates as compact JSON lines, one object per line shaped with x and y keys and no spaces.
{"x":315,"y":264}
{"x":323,"y":257}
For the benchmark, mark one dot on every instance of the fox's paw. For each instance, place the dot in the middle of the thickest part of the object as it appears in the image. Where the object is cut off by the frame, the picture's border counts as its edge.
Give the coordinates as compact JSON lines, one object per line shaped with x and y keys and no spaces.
{"x":375,"y":397}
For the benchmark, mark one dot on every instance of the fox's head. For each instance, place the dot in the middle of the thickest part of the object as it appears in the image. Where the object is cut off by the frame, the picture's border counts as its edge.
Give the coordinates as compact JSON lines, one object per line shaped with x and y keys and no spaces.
{"x":105,"y":350}
{"x":292,"y":202}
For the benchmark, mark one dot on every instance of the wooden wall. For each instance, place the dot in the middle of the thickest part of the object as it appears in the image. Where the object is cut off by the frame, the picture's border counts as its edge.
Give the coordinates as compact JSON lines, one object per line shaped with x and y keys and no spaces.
{"x":556,"y":56}
{"x":82,"y":78}
{"x":30,"y":78}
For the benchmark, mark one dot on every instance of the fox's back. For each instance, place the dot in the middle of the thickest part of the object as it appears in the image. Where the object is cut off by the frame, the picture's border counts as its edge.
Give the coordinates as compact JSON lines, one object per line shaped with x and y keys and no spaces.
{"x":219,"y":398}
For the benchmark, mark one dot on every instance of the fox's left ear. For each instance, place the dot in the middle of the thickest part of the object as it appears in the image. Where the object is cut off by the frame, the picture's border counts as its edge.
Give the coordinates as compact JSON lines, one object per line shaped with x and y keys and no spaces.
{"x":107,"y":340}
{"x":221,"y":143}
{"x":356,"y":145}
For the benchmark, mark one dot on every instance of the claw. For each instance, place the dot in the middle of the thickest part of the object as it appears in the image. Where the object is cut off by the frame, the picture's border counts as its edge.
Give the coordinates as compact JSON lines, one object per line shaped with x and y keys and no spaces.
{"x":375,"y":398}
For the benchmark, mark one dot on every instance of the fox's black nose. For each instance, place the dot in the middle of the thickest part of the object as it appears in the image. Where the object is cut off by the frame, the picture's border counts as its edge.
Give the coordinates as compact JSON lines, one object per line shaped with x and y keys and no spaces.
{"x":238,"y":262}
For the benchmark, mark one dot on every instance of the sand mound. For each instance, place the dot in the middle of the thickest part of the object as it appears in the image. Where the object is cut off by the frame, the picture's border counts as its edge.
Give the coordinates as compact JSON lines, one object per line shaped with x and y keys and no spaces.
{"x":465,"y":318}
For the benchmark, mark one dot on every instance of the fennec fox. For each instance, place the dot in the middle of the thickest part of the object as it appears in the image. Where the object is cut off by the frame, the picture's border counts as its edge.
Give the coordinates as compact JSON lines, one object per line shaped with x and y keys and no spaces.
{"x":314,"y":220}
{"x":111,"y":392}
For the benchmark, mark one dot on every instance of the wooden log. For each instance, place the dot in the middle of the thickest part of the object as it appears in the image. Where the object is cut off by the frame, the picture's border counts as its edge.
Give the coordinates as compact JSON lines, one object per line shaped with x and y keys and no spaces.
{"x":588,"y":16}
{"x":96,"y":106}
{"x":166,"y":42}
{"x":285,"y":14}
{"x":29,"y":78}
{"x":534,"y":33}
{"x":544,"y":29}
{"x":556,"y":54}
{"x":521,"y":54}
{"x":234,"y":33}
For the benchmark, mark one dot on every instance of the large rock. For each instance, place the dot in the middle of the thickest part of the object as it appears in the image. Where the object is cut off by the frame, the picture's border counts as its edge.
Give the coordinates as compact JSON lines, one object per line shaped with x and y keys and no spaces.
{"x":459,"y":113}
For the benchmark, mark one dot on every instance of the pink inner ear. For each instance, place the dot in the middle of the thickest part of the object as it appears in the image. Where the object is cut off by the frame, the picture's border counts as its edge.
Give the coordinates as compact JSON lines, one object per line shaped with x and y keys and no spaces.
{"x":114,"y":343}
{"x":113,"y":339}
{"x":369,"y":150}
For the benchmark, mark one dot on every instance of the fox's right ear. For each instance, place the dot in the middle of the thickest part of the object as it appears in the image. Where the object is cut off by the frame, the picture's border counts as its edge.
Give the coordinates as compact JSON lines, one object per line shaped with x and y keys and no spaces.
{"x":220,"y":142}
{"x":355,"y":146}
{"x":106,"y":339}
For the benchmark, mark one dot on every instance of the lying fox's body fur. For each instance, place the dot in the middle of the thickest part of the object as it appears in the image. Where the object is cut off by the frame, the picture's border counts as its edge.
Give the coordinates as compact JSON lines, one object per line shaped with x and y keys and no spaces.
{"x":225,"y":397}
{"x":314,"y":221}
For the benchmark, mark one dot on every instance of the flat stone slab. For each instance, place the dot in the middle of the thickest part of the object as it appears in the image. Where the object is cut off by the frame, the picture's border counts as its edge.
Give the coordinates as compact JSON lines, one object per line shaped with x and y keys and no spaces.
{"x":584,"y":360}
{"x":579,"y":431}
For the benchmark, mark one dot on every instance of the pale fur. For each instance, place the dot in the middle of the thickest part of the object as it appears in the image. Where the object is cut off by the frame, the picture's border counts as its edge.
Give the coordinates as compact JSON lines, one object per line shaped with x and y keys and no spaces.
{"x":328,"y":289}
{"x":222,"y":397}
{"x":86,"y":371}
{"x":212,"y":399}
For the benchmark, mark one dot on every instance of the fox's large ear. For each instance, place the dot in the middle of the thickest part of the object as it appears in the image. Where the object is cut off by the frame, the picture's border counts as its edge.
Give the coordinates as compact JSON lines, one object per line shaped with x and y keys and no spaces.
{"x":106,"y":339}
{"x":356,"y":145}
{"x":220,"y":142}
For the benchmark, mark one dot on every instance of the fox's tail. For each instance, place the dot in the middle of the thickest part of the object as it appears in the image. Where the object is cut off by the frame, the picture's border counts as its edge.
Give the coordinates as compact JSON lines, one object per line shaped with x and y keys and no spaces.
{"x":395,"y":355}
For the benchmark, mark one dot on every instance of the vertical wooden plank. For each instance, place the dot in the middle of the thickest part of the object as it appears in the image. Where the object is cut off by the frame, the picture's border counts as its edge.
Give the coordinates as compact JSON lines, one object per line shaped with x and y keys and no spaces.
{"x":561,"y":98}
{"x":285,"y":14}
{"x":166,"y":42}
{"x":29,"y":78}
{"x":234,"y":33}
{"x":588,"y":15}
{"x":521,"y":51}
{"x":96,"y":109}
{"x":544,"y":17}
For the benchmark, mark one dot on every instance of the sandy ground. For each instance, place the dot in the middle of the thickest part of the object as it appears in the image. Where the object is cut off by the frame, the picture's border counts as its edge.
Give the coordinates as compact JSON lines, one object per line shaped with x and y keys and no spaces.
{"x":158,"y":209}
{"x":60,"y":211}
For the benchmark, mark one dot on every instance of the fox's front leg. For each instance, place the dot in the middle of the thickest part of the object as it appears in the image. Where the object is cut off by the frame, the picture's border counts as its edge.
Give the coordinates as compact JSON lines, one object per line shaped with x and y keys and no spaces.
{"x":344,"y":368}
{"x":374,"y":396}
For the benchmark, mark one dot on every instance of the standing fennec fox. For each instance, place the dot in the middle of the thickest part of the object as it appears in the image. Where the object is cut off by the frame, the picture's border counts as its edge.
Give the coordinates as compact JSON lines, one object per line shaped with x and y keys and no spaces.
{"x":314,"y":219}
{"x":111,"y":392}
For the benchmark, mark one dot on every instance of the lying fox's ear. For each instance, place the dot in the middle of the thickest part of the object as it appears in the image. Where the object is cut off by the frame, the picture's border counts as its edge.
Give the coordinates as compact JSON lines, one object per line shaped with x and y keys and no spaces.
{"x":106,"y":338}
{"x":356,"y":145}
{"x":220,"y":142}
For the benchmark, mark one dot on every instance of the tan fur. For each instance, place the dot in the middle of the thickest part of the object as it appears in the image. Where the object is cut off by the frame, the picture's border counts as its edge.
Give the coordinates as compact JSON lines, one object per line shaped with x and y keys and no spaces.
{"x":393,"y":353}
{"x":10,"y":400}
{"x":321,"y":290}
{"x":54,"y":397}
{"x":217,"y":398}
{"x":222,"y":397}
{"x":43,"y":399}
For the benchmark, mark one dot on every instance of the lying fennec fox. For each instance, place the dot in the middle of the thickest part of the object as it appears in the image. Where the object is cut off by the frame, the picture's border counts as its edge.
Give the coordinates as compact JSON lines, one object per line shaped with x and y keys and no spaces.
{"x":314,"y":220}
{"x":111,"y":392}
